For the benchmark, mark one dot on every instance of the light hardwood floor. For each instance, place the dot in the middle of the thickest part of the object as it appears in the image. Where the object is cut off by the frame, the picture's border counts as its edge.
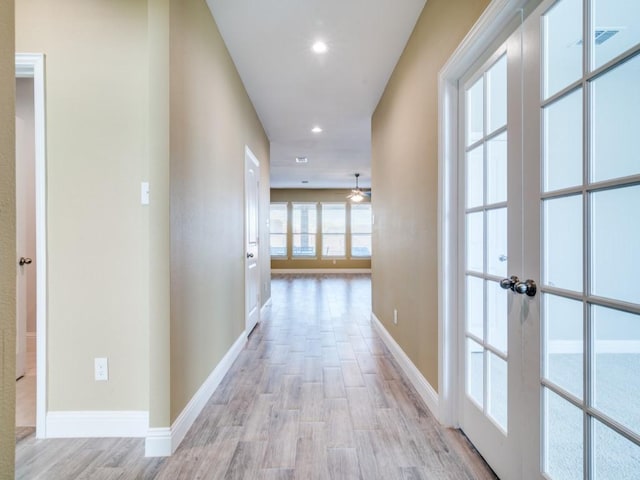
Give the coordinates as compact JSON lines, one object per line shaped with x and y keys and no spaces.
{"x":315,"y":395}
{"x":26,"y":389}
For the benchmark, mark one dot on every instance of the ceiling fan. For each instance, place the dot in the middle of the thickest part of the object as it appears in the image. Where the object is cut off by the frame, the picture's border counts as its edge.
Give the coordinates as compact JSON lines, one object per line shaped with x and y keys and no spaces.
{"x":357,"y":194}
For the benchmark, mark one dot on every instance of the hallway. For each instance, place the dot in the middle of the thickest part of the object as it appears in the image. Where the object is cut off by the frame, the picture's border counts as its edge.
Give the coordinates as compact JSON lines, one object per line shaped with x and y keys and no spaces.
{"x":314,"y":395}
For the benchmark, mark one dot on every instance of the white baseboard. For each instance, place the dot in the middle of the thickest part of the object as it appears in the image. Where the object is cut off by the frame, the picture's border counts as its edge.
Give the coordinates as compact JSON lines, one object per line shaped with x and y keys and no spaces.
{"x":164,"y":441}
{"x":316,"y":271}
{"x":158,"y":442}
{"x":264,"y":307}
{"x":422,"y":386}
{"x":97,"y":424}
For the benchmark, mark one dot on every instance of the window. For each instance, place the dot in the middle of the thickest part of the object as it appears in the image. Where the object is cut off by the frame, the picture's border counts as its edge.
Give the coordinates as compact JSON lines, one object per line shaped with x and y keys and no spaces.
{"x":334,"y":227}
{"x":278,"y":229}
{"x":361,"y":230}
{"x":304,"y":226}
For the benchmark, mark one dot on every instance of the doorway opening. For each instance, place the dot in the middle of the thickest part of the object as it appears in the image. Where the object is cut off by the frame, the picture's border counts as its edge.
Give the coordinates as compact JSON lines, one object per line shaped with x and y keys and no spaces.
{"x":31,"y":244}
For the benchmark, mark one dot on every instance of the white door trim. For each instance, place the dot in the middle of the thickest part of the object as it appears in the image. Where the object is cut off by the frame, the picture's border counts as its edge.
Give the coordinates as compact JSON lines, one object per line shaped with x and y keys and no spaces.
{"x":31,"y":65}
{"x":491,"y":23}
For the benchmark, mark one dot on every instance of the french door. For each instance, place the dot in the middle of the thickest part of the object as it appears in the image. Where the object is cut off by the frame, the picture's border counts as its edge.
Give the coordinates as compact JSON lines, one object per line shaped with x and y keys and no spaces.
{"x":496,"y":317}
{"x":551,"y":243}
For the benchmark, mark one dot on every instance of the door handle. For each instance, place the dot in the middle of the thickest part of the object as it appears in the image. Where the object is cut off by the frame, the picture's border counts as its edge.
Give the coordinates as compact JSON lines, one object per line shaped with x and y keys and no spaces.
{"x":528,"y":287}
{"x":25,"y":261}
{"x":513,"y":283}
{"x":249,"y":255}
{"x":509,"y":283}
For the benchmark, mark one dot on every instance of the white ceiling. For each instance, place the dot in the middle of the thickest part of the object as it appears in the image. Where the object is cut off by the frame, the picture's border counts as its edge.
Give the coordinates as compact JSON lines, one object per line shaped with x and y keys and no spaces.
{"x":294,"y":89}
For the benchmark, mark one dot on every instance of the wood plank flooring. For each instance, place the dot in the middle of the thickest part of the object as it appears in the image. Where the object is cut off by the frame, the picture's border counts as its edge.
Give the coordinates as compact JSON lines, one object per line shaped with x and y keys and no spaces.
{"x":315,"y":395}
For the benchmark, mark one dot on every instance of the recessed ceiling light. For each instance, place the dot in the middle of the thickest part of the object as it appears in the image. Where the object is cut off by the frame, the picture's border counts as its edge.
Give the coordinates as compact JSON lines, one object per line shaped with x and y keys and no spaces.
{"x":316,"y":129}
{"x":302,"y":159}
{"x":319,"y":47}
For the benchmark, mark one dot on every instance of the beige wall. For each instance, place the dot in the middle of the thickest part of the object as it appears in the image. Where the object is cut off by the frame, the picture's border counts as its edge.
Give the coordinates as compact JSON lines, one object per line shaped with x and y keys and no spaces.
{"x":212,"y":119}
{"x":405,"y":182}
{"x":7,"y":243}
{"x":313,"y":195}
{"x":25,"y":188}
{"x":96,"y":117}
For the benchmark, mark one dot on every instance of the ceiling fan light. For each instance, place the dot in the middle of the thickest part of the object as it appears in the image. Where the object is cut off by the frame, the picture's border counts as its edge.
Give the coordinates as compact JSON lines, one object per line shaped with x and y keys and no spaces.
{"x":357,"y":197}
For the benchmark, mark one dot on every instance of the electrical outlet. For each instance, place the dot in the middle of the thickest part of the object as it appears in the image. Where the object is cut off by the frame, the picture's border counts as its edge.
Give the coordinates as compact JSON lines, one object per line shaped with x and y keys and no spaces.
{"x":144,"y":193}
{"x":101,"y":369}
{"x":395,"y":316}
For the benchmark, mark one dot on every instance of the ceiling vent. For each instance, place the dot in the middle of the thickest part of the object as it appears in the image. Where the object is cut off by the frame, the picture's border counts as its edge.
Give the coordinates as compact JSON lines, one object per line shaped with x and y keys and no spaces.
{"x":601,"y":35}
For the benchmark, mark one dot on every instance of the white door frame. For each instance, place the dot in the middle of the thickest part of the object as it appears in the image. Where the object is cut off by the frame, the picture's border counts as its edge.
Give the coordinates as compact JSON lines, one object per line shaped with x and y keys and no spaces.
{"x":491,"y":23}
{"x":31,"y":65}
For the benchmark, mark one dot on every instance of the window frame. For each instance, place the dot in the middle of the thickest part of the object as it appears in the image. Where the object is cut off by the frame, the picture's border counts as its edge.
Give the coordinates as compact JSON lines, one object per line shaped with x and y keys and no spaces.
{"x":344,"y":233}
{"x":294,"y":233}
{"x":286,"y":231}
{"x":353,"y":234}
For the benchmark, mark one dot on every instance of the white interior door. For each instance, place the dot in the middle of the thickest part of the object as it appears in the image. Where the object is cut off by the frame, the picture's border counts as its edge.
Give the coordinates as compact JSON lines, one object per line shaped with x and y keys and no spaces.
{"x":252,"y":263}
{"x":588,"y":202}
{"x":21,"y":240}
{"x":499,"y":399}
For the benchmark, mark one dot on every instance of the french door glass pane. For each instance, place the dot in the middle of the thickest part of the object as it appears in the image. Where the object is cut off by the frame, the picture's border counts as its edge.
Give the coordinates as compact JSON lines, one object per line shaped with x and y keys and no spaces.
{"x":615,"y":120}
{"x":563,"y":433}
{"x":497,"y":242}
{"x":497,"y":169}
{"x":564,"y":343}
{"x":616,"y":365}
{"x":475,"y":112}
{"x":497,"y":95}
{"x":563,"y":142}
{"x":562,"y":255}
{"x":497,"y":395}
{"x":475,"y":306}
{"x":615,"y":28}
{"x":615,"y":457}
{"x":475,"y":177}
{"x":475,"y":242}
{"x":615,"y":238}
{"x":562,"y":46}
{"x":475,"y":371}
{"x":497,"y":316}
